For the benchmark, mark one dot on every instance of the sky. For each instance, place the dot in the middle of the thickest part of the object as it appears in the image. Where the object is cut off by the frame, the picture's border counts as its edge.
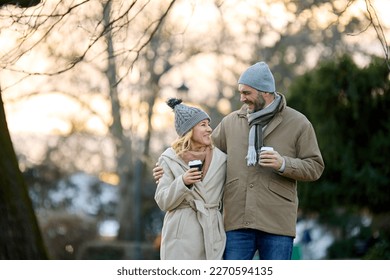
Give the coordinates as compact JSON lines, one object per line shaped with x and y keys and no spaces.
{"x":50,"y":113}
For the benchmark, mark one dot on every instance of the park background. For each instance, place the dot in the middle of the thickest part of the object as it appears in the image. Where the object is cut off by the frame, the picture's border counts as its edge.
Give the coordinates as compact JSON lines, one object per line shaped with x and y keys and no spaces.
{"x":83,"y":91}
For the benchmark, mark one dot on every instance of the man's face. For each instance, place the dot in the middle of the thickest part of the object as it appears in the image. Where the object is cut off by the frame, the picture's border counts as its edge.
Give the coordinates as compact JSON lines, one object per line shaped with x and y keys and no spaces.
{"x":252,"y":97}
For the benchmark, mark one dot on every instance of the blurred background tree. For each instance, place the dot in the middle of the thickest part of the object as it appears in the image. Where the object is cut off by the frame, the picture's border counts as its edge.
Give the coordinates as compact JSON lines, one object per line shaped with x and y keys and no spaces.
{"x":102,"y":69}
{"x":348,"y":105}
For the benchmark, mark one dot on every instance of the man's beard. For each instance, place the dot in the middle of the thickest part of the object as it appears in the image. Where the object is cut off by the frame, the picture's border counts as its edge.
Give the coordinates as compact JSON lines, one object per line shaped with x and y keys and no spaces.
{"x":259,"y":105}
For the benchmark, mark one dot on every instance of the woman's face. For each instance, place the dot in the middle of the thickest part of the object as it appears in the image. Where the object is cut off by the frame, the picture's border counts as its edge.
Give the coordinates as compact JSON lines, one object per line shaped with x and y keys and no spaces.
{"x":201,"y":135}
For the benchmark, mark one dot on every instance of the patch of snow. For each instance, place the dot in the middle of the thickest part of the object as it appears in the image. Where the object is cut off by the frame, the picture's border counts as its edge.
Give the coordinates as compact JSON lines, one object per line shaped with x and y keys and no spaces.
{"x":313,"y":239}
{"x":86,"y":194}
{"x":108,"y":228}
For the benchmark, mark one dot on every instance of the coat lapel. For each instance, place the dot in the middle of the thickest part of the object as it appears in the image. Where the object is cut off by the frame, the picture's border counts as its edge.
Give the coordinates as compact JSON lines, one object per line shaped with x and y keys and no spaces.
{"x":272,"y":125}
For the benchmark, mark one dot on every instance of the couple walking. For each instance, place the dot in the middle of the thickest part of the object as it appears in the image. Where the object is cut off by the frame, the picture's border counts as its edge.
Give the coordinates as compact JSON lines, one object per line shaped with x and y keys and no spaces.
{"x":241,"y":200}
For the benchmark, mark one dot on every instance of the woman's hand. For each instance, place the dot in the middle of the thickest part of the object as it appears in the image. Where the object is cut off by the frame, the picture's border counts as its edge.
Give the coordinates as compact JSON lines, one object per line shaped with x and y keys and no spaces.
{"x":192,"y":176}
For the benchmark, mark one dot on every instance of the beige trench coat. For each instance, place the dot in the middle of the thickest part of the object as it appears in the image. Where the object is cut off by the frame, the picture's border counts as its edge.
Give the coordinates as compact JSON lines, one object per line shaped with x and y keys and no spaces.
{"x":193,"y":226}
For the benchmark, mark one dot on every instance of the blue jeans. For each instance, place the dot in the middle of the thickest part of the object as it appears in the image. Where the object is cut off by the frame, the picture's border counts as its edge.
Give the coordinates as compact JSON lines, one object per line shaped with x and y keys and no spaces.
{"x":242,"y":244}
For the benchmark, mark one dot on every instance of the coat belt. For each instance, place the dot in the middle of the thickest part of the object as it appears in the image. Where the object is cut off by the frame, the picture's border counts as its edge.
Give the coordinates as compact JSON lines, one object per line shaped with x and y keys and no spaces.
{"x":199,"y":206}
{"x":202,"y":215}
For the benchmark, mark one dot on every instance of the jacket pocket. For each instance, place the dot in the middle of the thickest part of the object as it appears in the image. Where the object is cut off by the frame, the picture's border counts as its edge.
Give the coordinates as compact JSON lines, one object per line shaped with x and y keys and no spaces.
{"x":179,"y":222}
{"x":284,"y":191}
{"x":231,"y":182}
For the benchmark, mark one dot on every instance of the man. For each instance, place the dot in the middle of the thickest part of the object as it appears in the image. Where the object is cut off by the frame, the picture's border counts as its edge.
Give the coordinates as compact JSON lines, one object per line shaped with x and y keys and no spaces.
{"x":260,"y":200}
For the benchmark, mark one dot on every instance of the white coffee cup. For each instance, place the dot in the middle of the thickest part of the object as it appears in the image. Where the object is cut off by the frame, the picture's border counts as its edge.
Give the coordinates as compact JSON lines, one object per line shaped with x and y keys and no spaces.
{"x":266,"y":149}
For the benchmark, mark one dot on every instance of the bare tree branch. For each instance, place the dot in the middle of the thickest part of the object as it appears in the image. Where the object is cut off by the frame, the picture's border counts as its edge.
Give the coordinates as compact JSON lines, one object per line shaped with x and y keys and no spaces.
{"x":137,"y":47}
{"x":373,"y":16}
{"x":156,"y":28}
{"x":59,"y":17}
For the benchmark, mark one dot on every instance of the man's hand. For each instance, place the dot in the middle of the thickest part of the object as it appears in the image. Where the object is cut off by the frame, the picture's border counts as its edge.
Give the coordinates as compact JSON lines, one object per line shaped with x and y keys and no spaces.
{"x":158,"y":172}
{"x":192,"y":176}
{"x":271,"y":159}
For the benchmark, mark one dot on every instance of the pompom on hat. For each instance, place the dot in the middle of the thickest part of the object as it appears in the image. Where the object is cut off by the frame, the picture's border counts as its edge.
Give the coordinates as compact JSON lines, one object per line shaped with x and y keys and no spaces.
{"x":186,"y":117}
{"x":258,"y":76}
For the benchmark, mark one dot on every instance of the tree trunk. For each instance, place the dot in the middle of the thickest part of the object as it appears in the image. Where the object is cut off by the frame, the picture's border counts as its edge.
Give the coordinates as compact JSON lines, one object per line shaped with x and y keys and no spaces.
{"x":20,"y":237}
{"x":127,"y":230}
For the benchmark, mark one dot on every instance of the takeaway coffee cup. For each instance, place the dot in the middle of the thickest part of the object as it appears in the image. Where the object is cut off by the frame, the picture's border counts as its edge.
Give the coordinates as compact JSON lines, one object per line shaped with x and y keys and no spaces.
{"x":195,"y":164}
{"x":263,"y":149}
{"x":266,"y":149}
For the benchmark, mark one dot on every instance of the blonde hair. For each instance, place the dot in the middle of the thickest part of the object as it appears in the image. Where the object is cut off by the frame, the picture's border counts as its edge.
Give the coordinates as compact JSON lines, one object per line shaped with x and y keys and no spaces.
{"x":182,"y":144}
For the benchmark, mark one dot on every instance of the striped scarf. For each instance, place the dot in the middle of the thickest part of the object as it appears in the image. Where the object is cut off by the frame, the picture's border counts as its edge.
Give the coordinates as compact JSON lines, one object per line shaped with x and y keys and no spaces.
{"x":257,"y":123}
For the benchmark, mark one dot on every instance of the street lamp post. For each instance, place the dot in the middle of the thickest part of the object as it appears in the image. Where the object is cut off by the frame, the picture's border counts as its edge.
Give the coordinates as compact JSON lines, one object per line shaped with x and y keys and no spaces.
{"x":182,"y":91}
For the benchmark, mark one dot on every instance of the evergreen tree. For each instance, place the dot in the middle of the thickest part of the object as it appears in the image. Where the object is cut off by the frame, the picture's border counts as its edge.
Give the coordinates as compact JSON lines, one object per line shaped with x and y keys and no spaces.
{"x":348,"y":107}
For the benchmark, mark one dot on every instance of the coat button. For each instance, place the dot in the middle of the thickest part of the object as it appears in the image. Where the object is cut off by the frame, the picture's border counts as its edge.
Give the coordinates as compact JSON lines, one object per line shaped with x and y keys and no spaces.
{"x":251,"y":185}
{"x":247,"y":223}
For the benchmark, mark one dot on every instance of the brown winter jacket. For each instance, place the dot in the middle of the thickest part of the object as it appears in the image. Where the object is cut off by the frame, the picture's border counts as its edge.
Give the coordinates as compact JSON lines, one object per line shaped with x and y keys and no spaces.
{"x":257,"y":197}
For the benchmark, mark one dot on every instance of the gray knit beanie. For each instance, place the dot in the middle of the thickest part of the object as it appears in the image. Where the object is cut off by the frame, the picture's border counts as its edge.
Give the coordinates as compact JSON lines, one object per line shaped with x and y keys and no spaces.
{"x":258,"y":76}
{"x":186,"y":117}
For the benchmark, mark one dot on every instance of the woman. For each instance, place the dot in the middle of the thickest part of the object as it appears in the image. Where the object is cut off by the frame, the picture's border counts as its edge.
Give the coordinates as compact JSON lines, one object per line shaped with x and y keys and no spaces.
{"x":193,"y":226}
